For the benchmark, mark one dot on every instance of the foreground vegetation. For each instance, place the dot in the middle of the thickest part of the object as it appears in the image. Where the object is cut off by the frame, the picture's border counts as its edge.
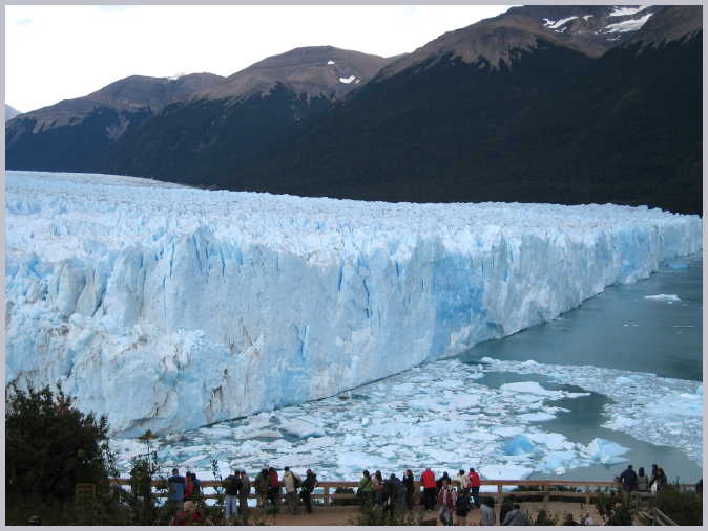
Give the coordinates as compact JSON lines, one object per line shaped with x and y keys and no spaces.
{"x":59,"y":465}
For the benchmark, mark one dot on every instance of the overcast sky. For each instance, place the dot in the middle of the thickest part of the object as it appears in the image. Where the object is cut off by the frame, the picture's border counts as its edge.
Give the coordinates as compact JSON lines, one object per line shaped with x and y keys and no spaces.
{"x":58,"y":52}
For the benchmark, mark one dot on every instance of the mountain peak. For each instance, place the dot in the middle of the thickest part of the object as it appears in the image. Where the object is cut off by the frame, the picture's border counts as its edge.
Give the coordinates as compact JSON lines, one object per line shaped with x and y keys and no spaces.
{"x":312,"y":70}
{"x":589,"y":29}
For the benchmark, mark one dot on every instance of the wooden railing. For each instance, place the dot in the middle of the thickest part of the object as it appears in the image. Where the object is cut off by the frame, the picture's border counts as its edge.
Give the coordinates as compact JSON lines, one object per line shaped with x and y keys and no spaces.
{"x":327,"y":489}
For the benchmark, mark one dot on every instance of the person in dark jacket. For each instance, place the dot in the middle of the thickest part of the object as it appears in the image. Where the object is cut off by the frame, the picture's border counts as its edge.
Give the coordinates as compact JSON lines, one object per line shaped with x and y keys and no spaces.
{"x":486,"y":512}
{"x":231,"y":488}
{"x":397,"y":494}
{"x":307,"y":487}
{"x":378,"y":483}
{"x":175,"y":492}
{"x":516,"y":517}
{"x":462,"y":506}
{"x":628,"y":478}
{"x":261,"y":483}
{"x":409,"y":485}
{"x":243,"y":493}
{"x":439,"y":483}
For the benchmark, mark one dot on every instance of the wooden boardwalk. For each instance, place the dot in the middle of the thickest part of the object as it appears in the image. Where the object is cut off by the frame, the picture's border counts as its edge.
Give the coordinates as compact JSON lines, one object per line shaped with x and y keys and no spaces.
{"x":328,"y":500}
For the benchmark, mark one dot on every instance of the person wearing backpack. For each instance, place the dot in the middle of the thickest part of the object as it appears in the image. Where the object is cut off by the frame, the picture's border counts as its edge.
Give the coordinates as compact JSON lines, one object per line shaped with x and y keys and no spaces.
{"x":365,"y":490}
{"x":307,"y":487}
{"x":273,"y":486}
{"x":231,"y":487}
{"x":292,"y":482}
{"x":462,"y":507}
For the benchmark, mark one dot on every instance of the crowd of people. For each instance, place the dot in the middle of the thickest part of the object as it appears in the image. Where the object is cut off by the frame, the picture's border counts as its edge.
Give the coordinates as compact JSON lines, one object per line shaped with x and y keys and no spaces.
{"x":453,"y":504}
{"x":183,"y":492}
{"x":639,"y":481}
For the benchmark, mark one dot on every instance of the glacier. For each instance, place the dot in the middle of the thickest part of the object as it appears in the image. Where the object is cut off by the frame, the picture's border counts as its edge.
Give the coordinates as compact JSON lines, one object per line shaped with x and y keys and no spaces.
{"x":167,"y":307}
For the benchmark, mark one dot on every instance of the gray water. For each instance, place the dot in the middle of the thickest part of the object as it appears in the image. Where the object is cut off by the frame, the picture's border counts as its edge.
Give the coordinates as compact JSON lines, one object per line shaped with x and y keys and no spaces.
{"x":617,"y":329}
{"x":620,"y":329}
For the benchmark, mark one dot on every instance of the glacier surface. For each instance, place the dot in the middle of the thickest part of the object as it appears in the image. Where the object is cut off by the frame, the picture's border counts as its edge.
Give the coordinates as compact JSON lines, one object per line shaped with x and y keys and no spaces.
{"x":167,"y":307}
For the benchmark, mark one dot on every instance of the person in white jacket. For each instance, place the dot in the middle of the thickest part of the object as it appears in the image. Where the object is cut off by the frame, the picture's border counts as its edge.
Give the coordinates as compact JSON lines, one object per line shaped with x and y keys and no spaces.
{"x":292,"y":482}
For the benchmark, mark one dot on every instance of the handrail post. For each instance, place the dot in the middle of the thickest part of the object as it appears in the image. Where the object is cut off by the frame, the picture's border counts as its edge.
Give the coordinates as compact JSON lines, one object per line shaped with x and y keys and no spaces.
{"x":499,"y":503}
{"x":326,"y":496}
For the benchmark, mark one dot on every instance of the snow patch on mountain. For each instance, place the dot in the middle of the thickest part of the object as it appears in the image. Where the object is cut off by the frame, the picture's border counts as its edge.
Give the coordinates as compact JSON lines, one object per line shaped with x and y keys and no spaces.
{"x":347,"y":80}
{"x":628,"y":25}
{"x":625,"y":11}
{"x":556,"y":24}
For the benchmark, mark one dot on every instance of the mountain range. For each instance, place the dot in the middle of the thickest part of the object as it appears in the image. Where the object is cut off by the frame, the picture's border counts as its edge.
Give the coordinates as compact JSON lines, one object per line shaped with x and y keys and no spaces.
{"x":567,"y":104}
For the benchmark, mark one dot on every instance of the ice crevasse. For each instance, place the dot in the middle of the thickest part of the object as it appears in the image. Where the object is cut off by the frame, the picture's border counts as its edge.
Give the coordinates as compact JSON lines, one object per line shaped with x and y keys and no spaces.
{"x":167,"y":307}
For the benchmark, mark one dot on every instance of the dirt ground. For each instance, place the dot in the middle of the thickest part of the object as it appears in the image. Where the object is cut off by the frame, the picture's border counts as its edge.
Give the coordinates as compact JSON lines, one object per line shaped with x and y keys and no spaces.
{"x":333,"y":516}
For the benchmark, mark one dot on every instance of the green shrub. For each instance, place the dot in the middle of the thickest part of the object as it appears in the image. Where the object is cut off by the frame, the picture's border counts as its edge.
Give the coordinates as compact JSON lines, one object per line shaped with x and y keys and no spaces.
{"x":50,"y":447}
{"x":684,"y":508}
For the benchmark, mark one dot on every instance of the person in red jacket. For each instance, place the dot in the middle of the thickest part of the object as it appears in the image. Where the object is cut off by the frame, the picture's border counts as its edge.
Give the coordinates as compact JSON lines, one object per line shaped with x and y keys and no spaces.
{"x":474,"y":485}
{"x":273,"y":486}
{"x":427,"y":478}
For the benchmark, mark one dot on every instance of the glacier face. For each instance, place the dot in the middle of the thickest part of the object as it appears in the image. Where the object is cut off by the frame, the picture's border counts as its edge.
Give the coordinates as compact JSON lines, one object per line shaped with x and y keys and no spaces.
{"x":166,"y":307}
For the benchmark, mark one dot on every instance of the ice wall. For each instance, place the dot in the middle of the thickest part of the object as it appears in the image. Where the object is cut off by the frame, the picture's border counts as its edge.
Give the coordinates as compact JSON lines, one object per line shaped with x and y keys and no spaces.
{"x":167,"y":307}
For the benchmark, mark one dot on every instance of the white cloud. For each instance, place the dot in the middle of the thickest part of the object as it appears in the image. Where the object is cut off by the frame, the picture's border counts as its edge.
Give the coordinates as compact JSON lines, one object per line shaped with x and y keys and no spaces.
{"x":58,"y":52}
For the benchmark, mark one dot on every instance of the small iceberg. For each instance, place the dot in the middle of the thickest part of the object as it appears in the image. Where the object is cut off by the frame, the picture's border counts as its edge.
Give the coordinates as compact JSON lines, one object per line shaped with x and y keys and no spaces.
{"x":662,"y":297}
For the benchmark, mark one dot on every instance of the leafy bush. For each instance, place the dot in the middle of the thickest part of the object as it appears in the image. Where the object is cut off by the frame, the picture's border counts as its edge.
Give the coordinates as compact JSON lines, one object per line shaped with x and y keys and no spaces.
{"x":376,"y":515}
{"x":684,"y":508}
{"x":50,"y":447}
{"x":613,"y":509}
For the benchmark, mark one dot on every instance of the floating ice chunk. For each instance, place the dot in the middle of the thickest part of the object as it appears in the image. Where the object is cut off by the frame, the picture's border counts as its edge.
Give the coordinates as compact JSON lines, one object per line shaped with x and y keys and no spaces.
{"x":559,"y":460}
{"x":536,"y":417}
{"x":491,"y":472}
{"x":533,"y":388}
{"x":518,"y":446}
{"x":605,"y":452}
{"x":663,"y":297}
{"x":302,"y":428}
{"x":330,"y":62}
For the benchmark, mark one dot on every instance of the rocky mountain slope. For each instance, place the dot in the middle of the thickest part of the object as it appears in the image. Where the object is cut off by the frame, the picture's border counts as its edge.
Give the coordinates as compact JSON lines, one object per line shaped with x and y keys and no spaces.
{"x":542,"y":103}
